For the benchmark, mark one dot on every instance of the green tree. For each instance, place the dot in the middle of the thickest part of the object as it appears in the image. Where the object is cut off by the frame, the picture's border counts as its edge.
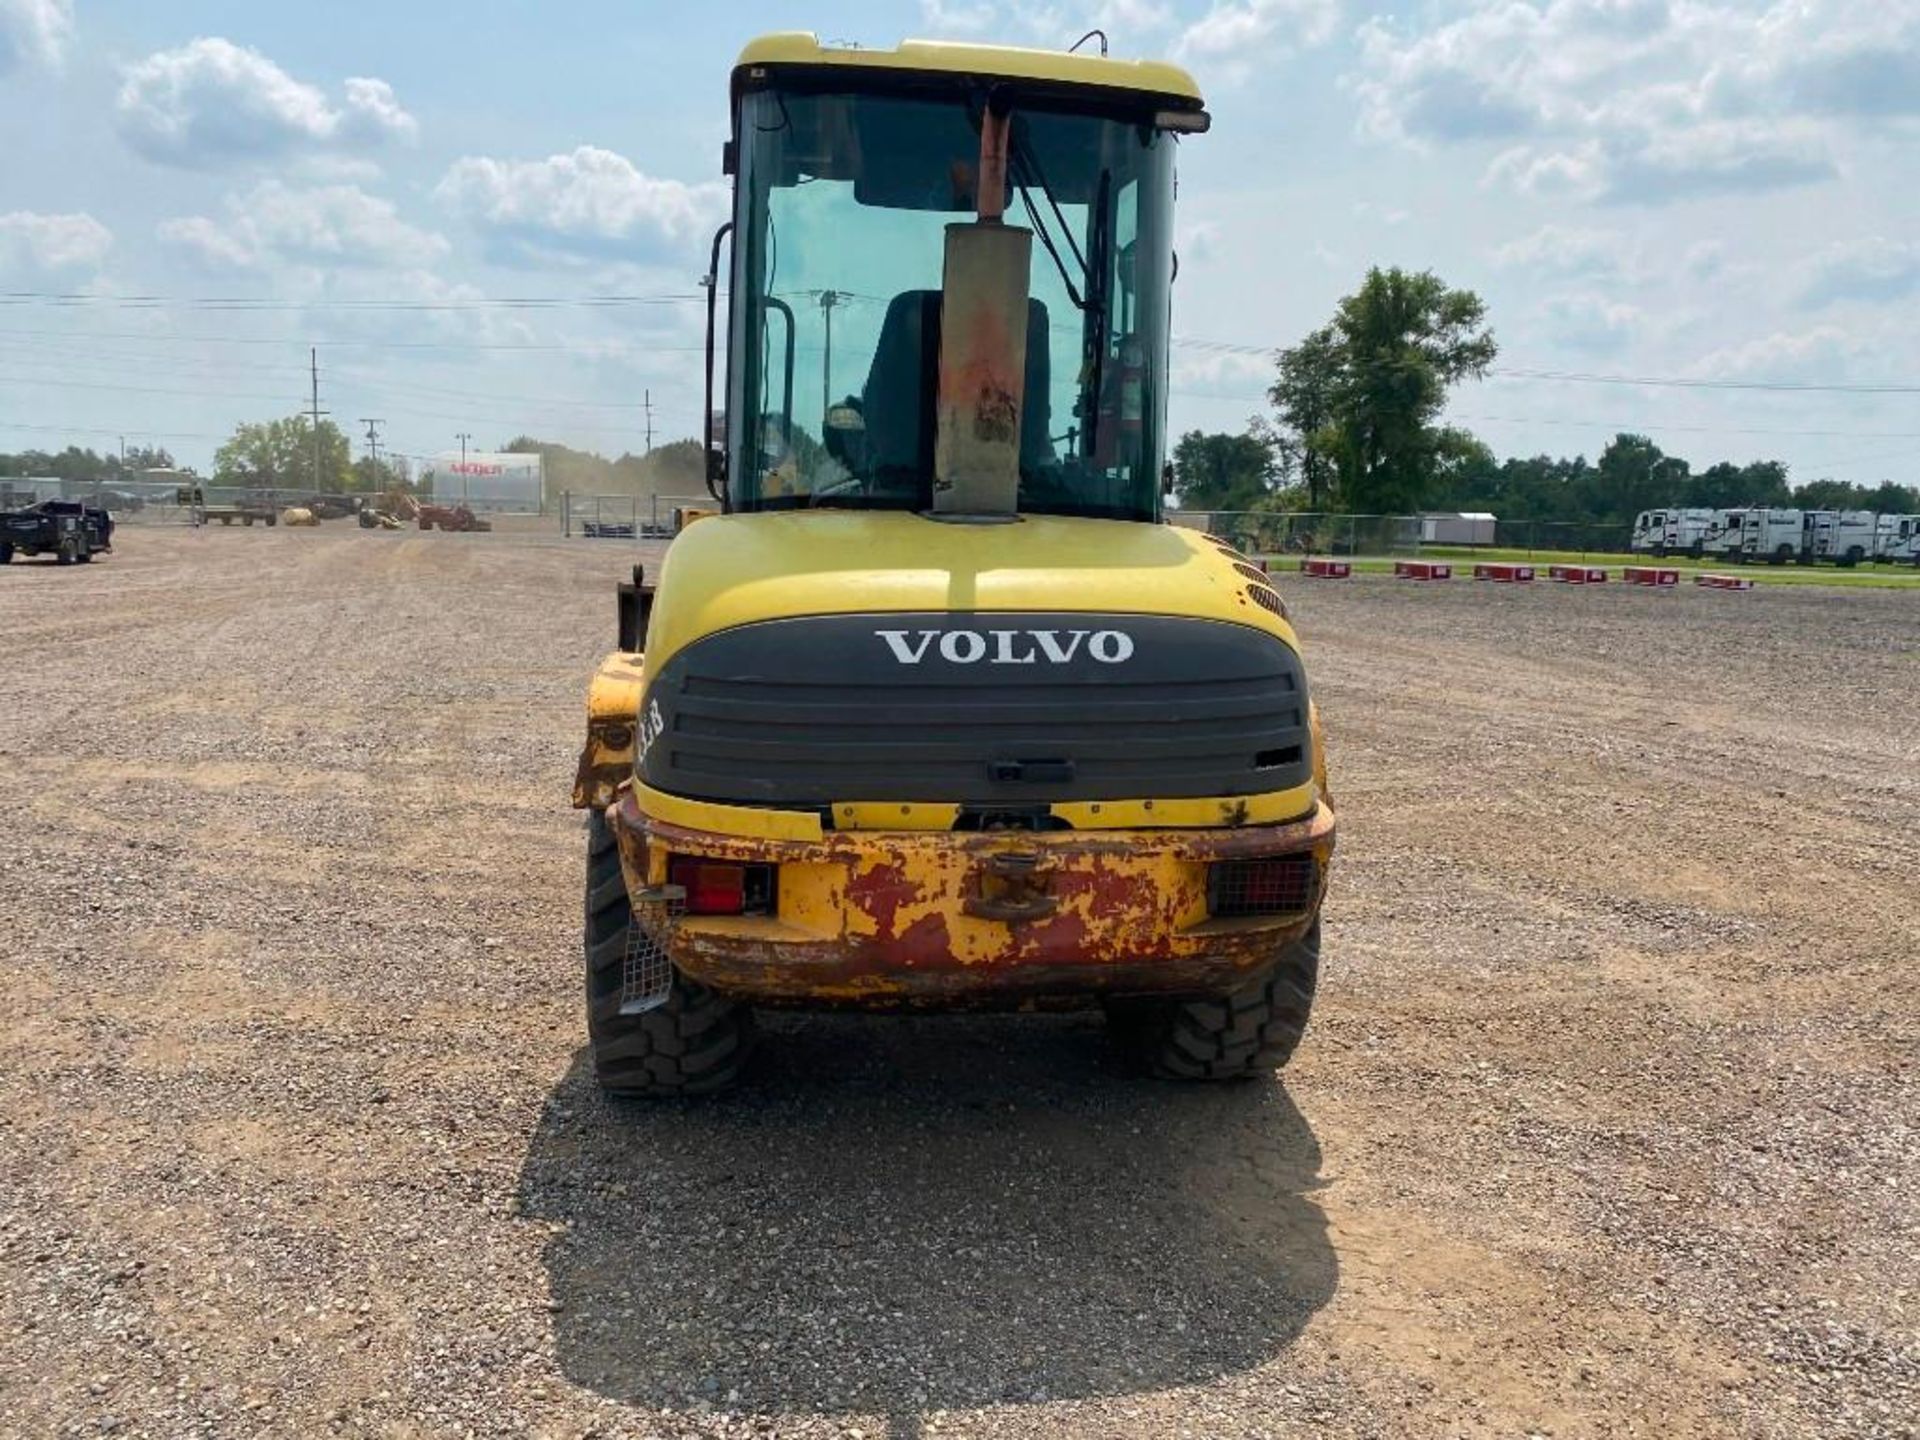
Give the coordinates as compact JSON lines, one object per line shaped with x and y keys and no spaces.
{"x":1304,"y":394}
{"x":1365,"y":392}
{"x":1633,"y":475}
{"x":1887,"y":498}
{"x":281,"y":454}
{"x":369,"y":477}
{"x":1222,"y":472}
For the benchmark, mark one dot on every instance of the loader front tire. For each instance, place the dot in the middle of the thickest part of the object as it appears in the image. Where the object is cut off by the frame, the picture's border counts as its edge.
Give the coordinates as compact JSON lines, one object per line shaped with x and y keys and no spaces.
{"x":694,"y":1043}
{"x":1250,"y":1032}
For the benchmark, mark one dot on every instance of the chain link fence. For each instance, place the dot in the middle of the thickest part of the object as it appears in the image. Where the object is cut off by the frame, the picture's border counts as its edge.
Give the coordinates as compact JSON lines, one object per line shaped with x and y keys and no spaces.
{"x":160,"y":501}
{"x":1268,"y":533}
{"x":627,"y":517}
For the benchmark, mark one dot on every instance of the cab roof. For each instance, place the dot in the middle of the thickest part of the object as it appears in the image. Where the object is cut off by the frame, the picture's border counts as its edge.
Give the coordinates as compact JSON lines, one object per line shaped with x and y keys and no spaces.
{"x":1056,"y":67}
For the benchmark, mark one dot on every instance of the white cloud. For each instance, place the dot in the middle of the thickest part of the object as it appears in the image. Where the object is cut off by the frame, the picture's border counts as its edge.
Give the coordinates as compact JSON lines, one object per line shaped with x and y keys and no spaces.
{"x":1822,"y":354}
{"x":372,"y":113}
{"x":1644,"y":100}
{"x":1237,"y":30}
{"x":210,"y":244}
{"x":1381,"y":214}
{"x":1049,"y":25}
{"x":34,"y":32}
{"x":946,"y":18}
{"x":211,"y":101}
{"x":1230,"y":372}
{"x":1719,"y":159}
{"x":1576,"y":173}
{"x":589,"y":199}
{"x":1705,"y":260}
{"x":1590,"y":322}
{"x":1562,"y":250}
{"x":1875,"y":269}
{"x":1197,"y":241}
{"x":46,"y":244}
{"x":329,"y":225}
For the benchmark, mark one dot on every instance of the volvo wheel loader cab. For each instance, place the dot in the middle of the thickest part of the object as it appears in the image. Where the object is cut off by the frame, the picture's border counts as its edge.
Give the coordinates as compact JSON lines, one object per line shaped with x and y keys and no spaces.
{"x":938,"y":711}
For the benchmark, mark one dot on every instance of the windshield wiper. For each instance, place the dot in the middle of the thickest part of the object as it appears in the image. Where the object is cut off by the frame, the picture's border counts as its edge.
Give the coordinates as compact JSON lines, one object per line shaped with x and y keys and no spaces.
{"x":1025,"y":161}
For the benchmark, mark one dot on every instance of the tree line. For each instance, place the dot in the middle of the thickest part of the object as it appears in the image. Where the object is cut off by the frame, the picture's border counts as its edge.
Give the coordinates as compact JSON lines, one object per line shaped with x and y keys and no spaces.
{"x":1356,"y":428}
{"x":74,"y":463}
{"x":290,"y":454}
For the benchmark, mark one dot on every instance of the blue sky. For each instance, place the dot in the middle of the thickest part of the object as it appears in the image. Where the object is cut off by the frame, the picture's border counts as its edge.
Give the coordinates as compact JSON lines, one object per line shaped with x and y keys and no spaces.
{"x":1720,"y":194}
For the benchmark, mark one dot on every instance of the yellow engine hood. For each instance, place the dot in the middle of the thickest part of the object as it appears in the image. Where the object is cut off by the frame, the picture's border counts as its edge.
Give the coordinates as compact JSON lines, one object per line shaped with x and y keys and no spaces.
{"x":736,"y":569}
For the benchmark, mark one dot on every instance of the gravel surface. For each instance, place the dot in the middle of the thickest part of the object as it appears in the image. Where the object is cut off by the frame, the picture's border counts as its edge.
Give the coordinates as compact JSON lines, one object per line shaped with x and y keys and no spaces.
{"x":1608,"y":1123}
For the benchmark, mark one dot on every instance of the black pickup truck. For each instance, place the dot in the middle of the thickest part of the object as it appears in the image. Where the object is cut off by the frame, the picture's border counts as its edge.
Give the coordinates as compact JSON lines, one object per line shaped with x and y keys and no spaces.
{"x":65,"y":529}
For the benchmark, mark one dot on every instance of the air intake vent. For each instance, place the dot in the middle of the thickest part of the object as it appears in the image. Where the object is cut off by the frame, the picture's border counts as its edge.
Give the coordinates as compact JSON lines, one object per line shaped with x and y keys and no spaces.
{"x":1267,"y":598}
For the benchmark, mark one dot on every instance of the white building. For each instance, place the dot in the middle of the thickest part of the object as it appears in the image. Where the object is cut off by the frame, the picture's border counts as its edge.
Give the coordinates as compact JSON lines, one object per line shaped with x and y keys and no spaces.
{"x":485,"y":480}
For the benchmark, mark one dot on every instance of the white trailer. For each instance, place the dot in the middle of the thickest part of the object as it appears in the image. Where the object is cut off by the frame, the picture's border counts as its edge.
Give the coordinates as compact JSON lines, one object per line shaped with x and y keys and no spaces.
{"x":1845,"y":537}
{"x":1671,"y":532}
{"x":1723,"y":533}
{"x":1758,"y":533}
{"x":1897,"y":540}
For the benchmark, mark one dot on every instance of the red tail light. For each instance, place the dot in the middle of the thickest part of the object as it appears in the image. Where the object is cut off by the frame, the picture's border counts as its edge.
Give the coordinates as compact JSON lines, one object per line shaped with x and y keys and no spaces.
{"x":713,"y":888}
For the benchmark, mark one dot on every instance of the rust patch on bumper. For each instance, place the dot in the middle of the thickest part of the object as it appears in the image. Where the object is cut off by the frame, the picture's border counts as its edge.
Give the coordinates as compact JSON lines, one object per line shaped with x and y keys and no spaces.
{"x":878,"y":919}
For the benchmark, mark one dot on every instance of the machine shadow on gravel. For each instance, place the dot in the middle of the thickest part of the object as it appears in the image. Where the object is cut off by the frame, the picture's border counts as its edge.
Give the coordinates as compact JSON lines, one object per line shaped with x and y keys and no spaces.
{"x":894,"y":1216}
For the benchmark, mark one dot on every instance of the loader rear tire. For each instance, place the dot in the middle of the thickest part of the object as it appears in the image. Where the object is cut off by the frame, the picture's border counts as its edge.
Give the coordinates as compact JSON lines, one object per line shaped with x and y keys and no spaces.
{"x":695,"y":1043}
{"x":1248,"y":1033}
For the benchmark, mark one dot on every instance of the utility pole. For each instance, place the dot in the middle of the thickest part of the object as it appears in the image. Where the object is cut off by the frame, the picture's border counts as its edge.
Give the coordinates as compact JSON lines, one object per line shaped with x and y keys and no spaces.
{"x":828,"y":299}
{"x":463,"y":437}
{"x":373,"y":425}
{"x":314,"y":412}
{"x":648,"y":403}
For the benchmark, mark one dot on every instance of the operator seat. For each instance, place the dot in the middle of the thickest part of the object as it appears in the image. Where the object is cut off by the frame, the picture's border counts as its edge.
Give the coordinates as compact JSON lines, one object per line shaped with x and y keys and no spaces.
{"x":898,"y":403}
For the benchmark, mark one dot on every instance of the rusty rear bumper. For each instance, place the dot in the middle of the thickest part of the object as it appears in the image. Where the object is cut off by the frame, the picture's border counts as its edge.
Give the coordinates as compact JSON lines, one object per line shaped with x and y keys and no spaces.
{"x":949,"y":919}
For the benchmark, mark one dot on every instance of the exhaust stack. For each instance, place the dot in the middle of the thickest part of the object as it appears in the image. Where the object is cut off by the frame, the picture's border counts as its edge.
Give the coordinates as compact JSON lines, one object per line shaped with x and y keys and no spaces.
{"x":983,"y":345}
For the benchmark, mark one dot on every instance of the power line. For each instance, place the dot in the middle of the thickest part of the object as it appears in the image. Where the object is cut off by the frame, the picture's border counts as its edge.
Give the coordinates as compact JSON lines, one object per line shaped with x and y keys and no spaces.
{"x":270,"y":304}
{"x":551,"y":302}
{"x":1579,"y":377}
{"x":1678,"y":382}
{"x":341,"y":343}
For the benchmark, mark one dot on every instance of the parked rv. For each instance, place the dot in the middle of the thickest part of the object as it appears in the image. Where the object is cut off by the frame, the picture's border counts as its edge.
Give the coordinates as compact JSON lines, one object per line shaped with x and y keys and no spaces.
{"x":1897,"y":539}
{"x":1671,"y":532}
{"x":1724,"y":533}
{"x":1845,"y":537}
{"x":1758,"y":533}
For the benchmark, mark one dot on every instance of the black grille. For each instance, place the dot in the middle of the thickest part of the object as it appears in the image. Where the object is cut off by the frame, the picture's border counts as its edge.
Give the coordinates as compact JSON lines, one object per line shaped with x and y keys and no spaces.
{"x":1268,"y":597}
{"x":977,"y":709}
{"x":1275,"y":885}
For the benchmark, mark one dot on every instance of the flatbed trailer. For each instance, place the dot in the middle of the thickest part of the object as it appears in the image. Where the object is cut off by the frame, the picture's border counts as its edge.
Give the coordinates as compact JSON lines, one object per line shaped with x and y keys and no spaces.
{"x":246,"y":510}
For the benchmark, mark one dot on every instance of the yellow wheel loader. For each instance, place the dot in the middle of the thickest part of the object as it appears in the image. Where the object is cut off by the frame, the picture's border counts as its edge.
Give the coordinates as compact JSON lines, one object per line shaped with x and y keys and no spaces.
{"x":937,"y":711}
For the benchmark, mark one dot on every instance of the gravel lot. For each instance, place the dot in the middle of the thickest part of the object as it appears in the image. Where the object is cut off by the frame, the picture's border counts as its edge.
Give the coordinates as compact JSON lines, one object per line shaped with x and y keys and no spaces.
{"x":1608,"y":1124}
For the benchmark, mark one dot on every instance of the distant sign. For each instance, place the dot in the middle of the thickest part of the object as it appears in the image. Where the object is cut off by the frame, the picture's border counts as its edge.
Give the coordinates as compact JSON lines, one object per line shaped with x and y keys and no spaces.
{"x":486,"y":481}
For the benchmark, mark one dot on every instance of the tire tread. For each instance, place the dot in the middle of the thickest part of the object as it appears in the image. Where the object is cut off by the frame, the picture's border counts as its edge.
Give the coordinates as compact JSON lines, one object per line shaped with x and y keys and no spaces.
{"x":1252,"y":1031}
{"x":697,"y":1042}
